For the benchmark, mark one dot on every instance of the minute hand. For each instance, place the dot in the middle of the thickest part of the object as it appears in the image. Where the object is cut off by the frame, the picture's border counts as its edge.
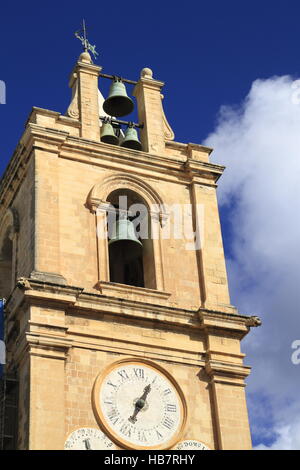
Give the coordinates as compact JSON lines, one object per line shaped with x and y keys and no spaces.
{"x":140,"y":404}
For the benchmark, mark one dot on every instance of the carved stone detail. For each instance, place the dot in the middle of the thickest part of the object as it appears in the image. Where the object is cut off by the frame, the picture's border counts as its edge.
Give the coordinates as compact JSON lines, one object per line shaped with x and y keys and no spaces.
{"x":253,"y":321}
{"x":168,"y":132}
{"x":73,"y":110}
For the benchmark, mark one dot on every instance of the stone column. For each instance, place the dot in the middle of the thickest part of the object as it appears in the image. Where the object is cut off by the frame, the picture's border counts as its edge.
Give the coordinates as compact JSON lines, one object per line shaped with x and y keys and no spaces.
{"x":47,"y":394}
{"x":47,"y":346}
{"x":226,"y":372}
{"x":211,"y":260}
{"x":150,"y":111}
{"x":85,"y":105}
{"x":100,"y":210}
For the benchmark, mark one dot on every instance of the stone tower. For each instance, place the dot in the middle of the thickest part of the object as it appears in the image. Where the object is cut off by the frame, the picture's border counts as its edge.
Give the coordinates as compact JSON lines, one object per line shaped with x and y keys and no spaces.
{"x":72,"y":330}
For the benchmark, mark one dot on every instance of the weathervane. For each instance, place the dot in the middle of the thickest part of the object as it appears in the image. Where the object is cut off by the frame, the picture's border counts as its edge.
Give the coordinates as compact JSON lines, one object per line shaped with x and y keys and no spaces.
{"x":87,"y":46}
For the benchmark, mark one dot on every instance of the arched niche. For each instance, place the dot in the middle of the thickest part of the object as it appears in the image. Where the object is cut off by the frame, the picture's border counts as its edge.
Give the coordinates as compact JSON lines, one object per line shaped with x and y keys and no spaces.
{"x":102,"y":196}
{"x":131,"y":261}
{"x":9,"y":229}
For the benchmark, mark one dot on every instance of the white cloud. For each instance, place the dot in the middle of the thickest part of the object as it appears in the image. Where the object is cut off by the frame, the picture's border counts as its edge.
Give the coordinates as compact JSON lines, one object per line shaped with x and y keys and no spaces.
{"x":259,"y":142}
{"x":288,"y":438}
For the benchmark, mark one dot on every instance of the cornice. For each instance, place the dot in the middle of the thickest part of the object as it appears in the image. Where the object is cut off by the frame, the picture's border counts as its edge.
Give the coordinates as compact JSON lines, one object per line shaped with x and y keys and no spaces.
{"x":106,"y":155}
{"x":227,"y":373}
{"x":73,"y":299}
{"x":236,"y":324}
{"x":60,"y":142}
{"x":182,"y":146}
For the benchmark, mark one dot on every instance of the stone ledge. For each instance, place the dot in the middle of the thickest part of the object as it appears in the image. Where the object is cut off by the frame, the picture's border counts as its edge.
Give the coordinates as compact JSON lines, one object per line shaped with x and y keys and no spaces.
{"x":48,"y":277}
{"x":132,"y":293}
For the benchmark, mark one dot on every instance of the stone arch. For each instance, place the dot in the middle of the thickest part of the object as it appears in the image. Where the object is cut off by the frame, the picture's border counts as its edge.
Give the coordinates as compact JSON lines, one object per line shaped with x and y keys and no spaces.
{"x":103,"y":188}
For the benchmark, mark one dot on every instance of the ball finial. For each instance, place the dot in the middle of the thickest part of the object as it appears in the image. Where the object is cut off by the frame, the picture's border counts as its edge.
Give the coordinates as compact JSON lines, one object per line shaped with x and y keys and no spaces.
{"x":85,"y":57}
{"x":146,"y":73}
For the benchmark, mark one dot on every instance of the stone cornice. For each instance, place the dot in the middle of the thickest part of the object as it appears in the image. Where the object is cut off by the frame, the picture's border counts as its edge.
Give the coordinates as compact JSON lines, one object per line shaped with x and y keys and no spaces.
{"x":47,"y":112}
{"x":182,"y":146}
{"x":41,"y":344}
{"x":149,"y":83}
{"x":227,"y":373}
{"x":100,"y":154}
{"x":14,"y":175}
{"x":234,"y":323}
{"x":73,"y":298}
{"x":66,"y":146}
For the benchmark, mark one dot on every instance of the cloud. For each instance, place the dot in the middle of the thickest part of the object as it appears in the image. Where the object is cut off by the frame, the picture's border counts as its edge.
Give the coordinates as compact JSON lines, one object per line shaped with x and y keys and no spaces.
{"x":288,"y":438}
{"x":259,"y":193}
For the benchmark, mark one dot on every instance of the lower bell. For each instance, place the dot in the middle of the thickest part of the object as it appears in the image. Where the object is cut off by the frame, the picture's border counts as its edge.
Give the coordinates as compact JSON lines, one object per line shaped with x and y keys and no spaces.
{"x":123,"y":229}
{"x":107,"y":134}
{"x":131,"y":140}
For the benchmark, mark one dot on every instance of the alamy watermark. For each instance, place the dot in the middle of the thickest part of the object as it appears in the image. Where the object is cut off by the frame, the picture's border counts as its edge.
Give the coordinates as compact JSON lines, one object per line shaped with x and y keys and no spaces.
{"x":295,"y":358}
{"x":2,"y":92}
{"x":177,"y":222}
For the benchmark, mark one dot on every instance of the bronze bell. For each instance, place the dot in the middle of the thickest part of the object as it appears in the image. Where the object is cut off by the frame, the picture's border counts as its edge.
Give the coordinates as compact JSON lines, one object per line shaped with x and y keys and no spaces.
{"x":123,"y":238}
{"x":118,"y":103}
{"x":107,"y":134}
{"x":123,"y":229}
{"x":131,"y":140}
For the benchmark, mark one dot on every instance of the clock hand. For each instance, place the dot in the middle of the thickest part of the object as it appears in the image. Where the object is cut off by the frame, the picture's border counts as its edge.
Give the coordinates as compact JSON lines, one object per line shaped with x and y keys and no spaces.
{"x":139,"y":405}
{"x":87,"y":444}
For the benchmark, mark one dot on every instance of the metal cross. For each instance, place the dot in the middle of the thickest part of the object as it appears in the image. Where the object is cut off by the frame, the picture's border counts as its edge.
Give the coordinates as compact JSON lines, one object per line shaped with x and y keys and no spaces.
{"x":86,"y":45}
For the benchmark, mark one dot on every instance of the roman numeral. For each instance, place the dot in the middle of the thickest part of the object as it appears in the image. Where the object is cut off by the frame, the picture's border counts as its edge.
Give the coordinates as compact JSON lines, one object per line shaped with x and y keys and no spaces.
{"x":110,"y":383}
{"x":171,"y":408}
{"x":126,"y":430}
{"x":142,"y":437}
{"x":168,"y":423}
{"x":107,"y":402}
{"x":158,"y":435}
{"x":166,"y":392}
{"x":123,"y":374}
{"x":113,"y":415}
{"x":139,"y":373}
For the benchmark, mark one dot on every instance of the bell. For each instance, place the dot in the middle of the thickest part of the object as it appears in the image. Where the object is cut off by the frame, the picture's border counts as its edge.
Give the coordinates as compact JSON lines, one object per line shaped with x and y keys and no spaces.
{"x":107,"y":134}
{"x":124,"y":242}
{"x":118,"y":103}
{"x":123,"y":229}
{"x":131,"y":140}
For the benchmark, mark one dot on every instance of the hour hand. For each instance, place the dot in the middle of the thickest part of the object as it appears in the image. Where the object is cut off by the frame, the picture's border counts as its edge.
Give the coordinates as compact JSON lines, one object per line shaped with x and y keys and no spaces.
{"x":139,"y":405}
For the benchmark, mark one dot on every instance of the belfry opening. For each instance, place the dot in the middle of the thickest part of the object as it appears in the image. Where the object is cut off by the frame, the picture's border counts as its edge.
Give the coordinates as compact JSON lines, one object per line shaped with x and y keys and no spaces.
{"x":130,"y":248}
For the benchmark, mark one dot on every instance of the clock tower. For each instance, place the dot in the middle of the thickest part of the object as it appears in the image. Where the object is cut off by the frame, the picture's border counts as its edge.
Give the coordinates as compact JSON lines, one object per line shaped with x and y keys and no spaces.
{"x":118,"y":324}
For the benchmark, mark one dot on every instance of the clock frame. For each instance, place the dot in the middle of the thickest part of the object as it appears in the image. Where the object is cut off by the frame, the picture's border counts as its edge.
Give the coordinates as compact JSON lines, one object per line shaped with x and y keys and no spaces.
{"x":112,"y":433}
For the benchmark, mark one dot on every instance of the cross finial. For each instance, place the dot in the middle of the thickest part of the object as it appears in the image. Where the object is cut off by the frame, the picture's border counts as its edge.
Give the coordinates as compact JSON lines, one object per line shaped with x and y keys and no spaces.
{"x":82,"y":36}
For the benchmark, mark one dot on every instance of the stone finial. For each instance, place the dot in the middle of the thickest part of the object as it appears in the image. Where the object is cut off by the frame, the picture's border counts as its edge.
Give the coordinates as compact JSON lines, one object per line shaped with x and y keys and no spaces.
{"x":85,"y":57}
{"x":146,"y":73}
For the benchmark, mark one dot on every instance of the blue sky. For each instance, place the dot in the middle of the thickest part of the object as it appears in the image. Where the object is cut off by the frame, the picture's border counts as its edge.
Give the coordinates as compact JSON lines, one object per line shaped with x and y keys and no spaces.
{"x":209,"y":54}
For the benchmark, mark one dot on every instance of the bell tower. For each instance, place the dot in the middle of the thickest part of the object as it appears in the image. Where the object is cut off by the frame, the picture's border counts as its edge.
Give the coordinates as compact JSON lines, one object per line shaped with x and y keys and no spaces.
{"x":118,"y":323}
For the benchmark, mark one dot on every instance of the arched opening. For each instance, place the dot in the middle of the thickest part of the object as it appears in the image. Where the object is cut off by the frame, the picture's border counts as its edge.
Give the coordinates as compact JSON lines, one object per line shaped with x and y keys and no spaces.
{"x":6,"y":264}
{"x":131,"y":258}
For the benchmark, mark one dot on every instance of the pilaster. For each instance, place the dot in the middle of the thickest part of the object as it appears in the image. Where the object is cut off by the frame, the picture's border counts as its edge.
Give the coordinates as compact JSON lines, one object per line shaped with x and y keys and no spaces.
{"x":84,"y":105}
{"x":150,"y":112}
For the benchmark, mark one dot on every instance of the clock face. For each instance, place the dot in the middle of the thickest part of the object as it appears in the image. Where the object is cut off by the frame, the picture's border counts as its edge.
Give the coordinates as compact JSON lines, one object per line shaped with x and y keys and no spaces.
{"x":88,"y":439}
{"x":139,"y":405}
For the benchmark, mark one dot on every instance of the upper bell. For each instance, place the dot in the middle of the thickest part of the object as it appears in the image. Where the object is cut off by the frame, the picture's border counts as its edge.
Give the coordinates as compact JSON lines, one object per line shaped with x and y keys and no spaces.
{"x":131,"y":140}
{"x":118,"y":103}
